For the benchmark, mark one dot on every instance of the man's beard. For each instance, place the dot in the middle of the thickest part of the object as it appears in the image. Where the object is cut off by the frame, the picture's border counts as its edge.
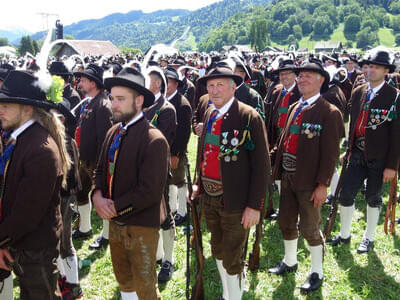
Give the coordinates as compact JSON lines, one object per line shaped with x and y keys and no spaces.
{"x":125,"y":117}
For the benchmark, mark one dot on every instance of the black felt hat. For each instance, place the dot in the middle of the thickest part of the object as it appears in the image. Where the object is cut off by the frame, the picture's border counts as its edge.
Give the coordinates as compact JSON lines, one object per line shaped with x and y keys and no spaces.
{"x":285,"y":65}
{"x":131,"y":78}
{"x":92,"y":72}
{"x":220,"y":71}
{"x":315,"y":65}
{"x":172,"y":73}
{"x":22,"y":87}
{"x":382,"y":58}
{"x":59,"y":68}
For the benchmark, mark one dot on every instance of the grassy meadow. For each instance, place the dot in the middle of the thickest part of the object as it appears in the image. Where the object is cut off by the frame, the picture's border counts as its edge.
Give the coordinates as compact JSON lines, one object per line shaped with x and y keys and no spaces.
{"x":348,"y":275}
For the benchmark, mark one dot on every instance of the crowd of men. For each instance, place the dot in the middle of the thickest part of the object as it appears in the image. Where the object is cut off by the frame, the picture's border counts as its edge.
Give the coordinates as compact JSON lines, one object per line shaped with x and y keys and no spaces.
{"x":118,"y":144}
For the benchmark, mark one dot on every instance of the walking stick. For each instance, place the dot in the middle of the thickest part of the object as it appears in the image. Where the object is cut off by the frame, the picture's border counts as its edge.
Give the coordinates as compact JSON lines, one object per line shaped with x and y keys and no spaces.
{"x":391,"y":208}
{"x":197,"y":290}
{"x":330,"y":221}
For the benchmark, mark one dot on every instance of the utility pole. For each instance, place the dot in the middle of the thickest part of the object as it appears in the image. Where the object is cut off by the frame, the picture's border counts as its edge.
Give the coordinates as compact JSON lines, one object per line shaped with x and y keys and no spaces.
{"x":46,"y":16}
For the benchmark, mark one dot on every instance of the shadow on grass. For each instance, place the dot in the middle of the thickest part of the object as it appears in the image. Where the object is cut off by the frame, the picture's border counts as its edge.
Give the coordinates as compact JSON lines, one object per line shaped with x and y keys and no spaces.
{"x":286,"y":289}
{"x":373,"y":276}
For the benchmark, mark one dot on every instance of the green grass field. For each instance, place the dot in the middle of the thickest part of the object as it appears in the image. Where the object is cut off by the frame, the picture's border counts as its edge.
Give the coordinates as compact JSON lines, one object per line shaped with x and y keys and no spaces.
{"x":348,"y":275}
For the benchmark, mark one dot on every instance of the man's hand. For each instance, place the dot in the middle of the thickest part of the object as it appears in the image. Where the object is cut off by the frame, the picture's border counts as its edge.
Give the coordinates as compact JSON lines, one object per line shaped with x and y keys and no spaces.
{"x":198,"y":128}
{"x":104,"y":207}
{"x":250,"y":217}
{"x":319,"y":195}
{"x":5,"y":257}
{"x":388,"y":175}
{"x":174,"y":162}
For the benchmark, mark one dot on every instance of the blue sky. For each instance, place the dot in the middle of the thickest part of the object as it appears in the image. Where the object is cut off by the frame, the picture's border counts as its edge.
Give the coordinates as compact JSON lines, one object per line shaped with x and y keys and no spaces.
{"x":24,"y":14}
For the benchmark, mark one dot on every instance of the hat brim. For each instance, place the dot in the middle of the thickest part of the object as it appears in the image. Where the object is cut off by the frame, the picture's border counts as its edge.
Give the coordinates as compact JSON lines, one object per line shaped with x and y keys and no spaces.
{"x":89,"y":76}
{"x":118,"y":81}
{"x":325,"y":74}
{"x":389,"y":66}
{"x":61,"y":74}
{"x":286,"y":68}
{"x":237,"y":79}
{"x":180,"y":82}
{"x":4,"y":98}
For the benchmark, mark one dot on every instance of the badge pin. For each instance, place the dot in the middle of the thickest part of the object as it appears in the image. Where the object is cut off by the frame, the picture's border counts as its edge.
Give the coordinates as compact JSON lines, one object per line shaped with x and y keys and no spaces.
{"x":310,"y":135}
{"x":225,"y":140}
{"x":234,"y":142}
{"x":373,"y":127}
{"x":227,"y":158}
{"x":234,"y":157}
{"x":307,"y":131}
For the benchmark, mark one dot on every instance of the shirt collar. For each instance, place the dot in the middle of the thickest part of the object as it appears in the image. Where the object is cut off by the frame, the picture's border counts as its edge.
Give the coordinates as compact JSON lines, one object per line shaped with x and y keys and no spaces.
{"x":310,"y":100}
{"x":173,"y":95}
{"x":157,"y":96}
{"x":22,"y":128}
{"x":291,"y":88}
{"x":224,"y":108}
{"x":376,"y":89}
{"x":133,"y":121}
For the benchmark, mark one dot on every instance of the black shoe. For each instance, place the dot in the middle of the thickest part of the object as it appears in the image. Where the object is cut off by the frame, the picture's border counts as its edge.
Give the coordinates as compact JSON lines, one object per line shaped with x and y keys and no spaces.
{"x":179,"y":220}
{"x":345,"y":143}
{"x":272,"y":215}
{"x":159,"y":262}
{"x":311,"y":284}
{"x":329,"y":199}
{"x":282,"y":268}
{"x":165,"y":272}
{"x":398,"y":220}
{"x":337,"y":240}
{"x":77,"y":234}
{"x":365,"y":246}
{"x":99,"y":243}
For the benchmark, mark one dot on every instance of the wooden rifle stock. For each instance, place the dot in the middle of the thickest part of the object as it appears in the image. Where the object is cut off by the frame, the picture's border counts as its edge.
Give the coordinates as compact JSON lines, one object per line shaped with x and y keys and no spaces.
{"x":391,"y":208}
{"x":330,"y":221}
{"x":254,"y":257}
{"x":197,"y":290}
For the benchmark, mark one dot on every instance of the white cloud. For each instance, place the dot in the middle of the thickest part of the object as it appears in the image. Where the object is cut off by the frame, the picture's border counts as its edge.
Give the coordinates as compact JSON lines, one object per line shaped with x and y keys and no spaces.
{"x":25,"y":13}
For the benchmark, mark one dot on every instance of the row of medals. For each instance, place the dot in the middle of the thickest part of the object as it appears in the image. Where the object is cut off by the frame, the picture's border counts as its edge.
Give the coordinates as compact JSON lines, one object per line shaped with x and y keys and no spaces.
{"x":311,"y":133}
{"x":234,"y":143}
{"x":376,"y":118}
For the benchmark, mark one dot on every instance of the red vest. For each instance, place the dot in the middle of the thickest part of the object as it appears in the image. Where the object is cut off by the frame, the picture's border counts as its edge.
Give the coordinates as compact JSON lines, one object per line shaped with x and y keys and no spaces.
{"x":209,"y":166}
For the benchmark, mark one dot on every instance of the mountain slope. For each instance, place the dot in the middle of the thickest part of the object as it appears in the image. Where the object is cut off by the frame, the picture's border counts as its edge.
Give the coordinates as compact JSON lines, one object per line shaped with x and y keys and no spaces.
{"x":141,"y":30}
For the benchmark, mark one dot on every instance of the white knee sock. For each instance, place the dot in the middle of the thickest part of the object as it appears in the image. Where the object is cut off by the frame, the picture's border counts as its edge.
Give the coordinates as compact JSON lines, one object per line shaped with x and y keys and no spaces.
{"x":84,"y":213}
{"x":316,"y":260}
{"x":160,"y":246}
{"x":8,"y":286}
{"x":60,"y":265}
{"x":235,"y":286}
{"x":223,"y":274}
{"x":106,"y":229}
{"x":334,"y":183}
{"x":346,"y":216}
{"x":182,"y":192}
{"x":173,"y":197}
{"x":169,"y":241}
{"x":71,"y":269}
{"x":372,"y":222}
{"x":290,"y":252}
{"x":278,"y":183}
{"x":129,"y":296}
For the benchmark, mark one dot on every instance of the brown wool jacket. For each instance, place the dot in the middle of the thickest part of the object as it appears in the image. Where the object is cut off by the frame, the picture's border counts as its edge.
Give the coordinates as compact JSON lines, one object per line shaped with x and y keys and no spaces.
{"x":244,"y":181}
{"x":334,"y":95}
{"x":140,"y":173}
{"x":31,"y":201}
{"x":316,"y":157}
{"x":166,"y":120}
{"x":94,"y":128}
{"x":382,"y":143}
